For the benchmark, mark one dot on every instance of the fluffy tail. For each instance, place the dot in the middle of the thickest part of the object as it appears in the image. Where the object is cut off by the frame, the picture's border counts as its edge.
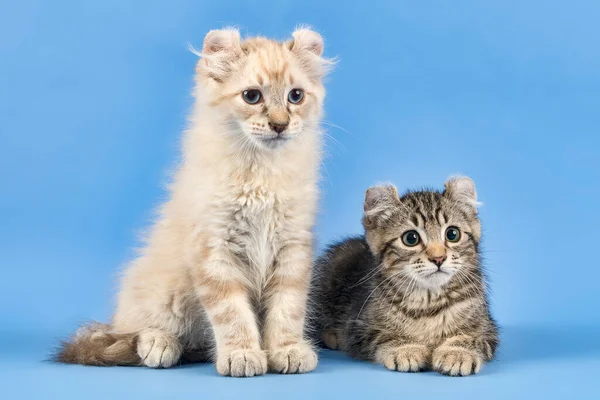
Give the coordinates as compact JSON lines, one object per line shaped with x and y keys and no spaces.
{"x":95,"y":344}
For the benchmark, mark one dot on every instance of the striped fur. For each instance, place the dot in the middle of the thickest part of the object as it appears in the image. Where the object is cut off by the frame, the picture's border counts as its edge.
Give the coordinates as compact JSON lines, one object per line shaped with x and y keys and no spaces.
{"x":381,"y":300}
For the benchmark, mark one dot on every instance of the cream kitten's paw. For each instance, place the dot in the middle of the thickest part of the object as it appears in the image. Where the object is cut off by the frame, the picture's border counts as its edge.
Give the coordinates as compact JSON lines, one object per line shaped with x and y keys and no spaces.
{"x":158,"y":349}
{"x":293,"y":359}
{"x":456,"y":361}
{"x":407,"y":358}
{"x":241,"y":363}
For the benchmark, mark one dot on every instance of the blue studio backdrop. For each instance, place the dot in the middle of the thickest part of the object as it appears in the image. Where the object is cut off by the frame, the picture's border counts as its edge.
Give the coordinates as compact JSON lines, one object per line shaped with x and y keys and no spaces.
{"x":94,"y":96}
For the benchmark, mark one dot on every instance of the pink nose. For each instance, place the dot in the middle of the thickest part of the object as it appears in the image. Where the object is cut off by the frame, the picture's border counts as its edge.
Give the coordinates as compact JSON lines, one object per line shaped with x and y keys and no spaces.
{"x":438,"y":260}
{"x":278,"y":126}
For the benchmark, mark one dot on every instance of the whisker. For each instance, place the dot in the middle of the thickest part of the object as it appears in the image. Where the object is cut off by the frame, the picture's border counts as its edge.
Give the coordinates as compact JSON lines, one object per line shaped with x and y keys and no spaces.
{"x":412,"y":280}
{"x":336,"y":126}
{"x":373,"y":291}
{"x":369,"y":275}
{"x":392,"y":285}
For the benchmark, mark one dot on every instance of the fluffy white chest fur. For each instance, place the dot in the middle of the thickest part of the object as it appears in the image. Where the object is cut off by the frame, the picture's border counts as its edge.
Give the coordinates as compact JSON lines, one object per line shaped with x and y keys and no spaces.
{"x":249,"y":202}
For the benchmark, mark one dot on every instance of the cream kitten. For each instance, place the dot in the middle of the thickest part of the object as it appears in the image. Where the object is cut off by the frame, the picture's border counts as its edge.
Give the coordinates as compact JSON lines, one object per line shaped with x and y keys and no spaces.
{"x":226,"y":267}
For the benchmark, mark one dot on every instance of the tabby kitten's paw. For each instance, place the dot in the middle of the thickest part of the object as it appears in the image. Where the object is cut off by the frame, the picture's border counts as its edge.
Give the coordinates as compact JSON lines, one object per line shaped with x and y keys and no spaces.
{"x":293,"y":359}
{"x":241,"y":363}
{"x":331,"y":340}
{"x":456,"y":361}
{"x":407,"y":358}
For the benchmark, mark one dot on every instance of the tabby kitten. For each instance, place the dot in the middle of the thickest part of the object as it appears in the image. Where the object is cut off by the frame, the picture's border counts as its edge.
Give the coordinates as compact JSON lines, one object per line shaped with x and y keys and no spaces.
{"x":224,"y":273}
{"x":411,"y":294}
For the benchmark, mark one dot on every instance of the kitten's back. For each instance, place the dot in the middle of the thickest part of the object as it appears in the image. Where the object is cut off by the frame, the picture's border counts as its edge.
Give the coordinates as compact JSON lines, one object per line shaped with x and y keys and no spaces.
{"x":341,"y":275}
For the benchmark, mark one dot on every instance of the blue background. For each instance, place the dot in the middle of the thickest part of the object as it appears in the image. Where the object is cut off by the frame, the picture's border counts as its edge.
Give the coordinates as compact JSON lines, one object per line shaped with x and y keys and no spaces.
{"x":94,"y":95}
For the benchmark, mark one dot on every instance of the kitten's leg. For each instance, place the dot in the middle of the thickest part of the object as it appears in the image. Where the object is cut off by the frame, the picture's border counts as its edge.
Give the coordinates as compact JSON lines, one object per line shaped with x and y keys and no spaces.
{"x":331,"y":339}
{"x":286,"y":295}
{"x":402,"y":356}
{"x":225,"y":296}
{"x":156,"y":311}
{"x":158,"y":348}
{"x":371,"y":338}
{"x":463,"y":355}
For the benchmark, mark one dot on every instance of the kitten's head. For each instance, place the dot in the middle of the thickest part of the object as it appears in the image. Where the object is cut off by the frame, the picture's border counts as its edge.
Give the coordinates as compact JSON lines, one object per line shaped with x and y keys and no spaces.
{"x":427,"y":237}
{"x":266,"y":91}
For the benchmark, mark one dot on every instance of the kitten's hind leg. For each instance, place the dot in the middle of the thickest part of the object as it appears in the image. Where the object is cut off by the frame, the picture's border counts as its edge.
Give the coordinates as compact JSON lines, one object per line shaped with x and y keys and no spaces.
{"x":158,"y":312}
{"x":331,"y":339}
{"x":158,"y":348}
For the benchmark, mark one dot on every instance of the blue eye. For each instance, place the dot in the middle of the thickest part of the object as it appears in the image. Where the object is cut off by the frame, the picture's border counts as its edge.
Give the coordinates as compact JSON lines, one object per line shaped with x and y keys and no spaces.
{"x":411,"y":238}
{"x":296,"y":96}
{"x":452,"y":234}
{"x":252,"y":96}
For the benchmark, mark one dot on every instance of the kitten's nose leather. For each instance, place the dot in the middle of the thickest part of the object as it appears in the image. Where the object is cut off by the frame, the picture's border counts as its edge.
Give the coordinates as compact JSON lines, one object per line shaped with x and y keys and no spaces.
{"x":278,"y":126}
{"x":438,"y":260}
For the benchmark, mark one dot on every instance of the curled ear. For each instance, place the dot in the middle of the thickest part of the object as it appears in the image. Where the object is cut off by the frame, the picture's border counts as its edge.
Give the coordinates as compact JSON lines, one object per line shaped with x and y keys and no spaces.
{"x":308,"y":47}
{"x":380,"y":203}
{"x":222,"y":41}
{"x":380,"y":196}
{"x":307,"y":40}
{"x":222,"y":47}
{"x":462,"y":189}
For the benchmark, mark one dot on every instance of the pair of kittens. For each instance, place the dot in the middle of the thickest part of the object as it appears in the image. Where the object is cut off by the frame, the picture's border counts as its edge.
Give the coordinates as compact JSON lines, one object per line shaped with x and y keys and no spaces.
{"x":225,"y":271}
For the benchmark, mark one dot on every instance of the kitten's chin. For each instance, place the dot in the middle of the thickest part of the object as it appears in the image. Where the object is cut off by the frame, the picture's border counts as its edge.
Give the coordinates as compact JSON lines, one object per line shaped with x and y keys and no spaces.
{"x":271,"y":142}
{"x":435,"y":280}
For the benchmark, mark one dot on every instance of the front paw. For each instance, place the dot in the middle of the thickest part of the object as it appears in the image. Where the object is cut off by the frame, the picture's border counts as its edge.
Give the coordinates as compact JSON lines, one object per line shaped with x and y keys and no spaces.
{"x":240,"y":363}
{"x":293,"y":359}
{"x":406,"y":358}
{"x":456,"y":361}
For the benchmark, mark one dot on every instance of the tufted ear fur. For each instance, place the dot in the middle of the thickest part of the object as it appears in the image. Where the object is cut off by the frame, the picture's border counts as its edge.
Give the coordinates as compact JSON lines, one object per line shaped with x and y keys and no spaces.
{"x":380,"y":201}
{"x":380,"y":196}
{"x":307,"y":40}
{"x":308,"y":47}
{"x":462,"y":189}
{"x":221,"y":49}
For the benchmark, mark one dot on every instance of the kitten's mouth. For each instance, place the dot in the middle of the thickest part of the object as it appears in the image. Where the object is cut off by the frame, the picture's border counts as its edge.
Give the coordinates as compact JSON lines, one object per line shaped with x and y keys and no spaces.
{"x":436,"y":278}
{"x":438,"y":272}
{"x":273,"y":140}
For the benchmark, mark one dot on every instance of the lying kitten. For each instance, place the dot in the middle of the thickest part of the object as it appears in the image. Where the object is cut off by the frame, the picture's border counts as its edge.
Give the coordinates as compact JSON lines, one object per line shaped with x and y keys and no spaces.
{"x":226,"y":268}
{"x":410,"y":294}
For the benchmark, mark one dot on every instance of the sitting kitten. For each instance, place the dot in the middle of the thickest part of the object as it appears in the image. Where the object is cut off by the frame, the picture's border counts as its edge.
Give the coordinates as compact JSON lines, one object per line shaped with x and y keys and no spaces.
{"x":411,"y":294}
{"x":225,"y":270}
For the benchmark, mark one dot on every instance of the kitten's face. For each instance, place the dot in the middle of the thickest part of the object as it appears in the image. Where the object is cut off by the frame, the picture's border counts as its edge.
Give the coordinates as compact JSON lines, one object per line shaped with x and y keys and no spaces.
{"x":433,"y":242}
{"x":269,"y":92}
{"x":427,"y":238}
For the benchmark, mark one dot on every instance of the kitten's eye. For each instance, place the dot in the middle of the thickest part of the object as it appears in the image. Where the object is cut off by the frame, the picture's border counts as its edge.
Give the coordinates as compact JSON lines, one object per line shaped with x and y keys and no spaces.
{"x":452,"y":234}
{"x":296,"y":96}
{"x":411,"y":238}
{"x":252,"y":96}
